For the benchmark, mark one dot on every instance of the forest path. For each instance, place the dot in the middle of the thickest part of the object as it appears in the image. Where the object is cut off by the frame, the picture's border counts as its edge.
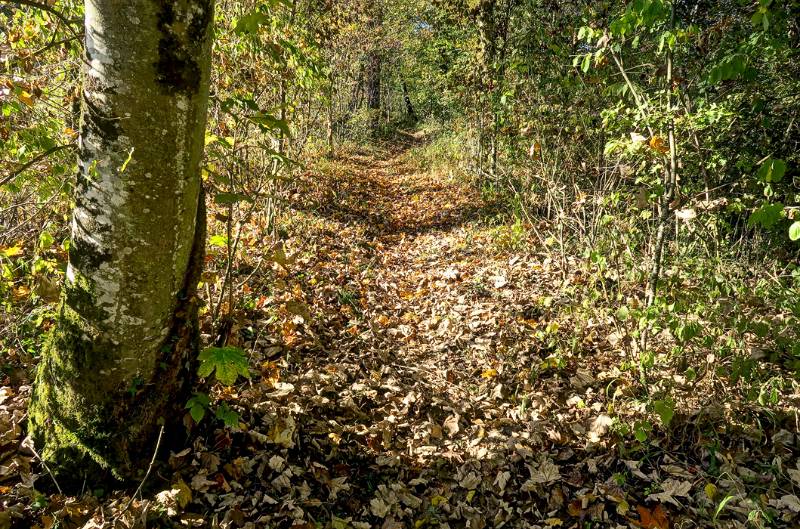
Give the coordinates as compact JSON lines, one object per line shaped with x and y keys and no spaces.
{"x":402,"y":374}
{"x":410,"y":371}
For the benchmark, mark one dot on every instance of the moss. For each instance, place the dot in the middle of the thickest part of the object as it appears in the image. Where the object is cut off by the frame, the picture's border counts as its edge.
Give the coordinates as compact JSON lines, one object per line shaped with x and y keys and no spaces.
{"x":79,"y":296}
{"x":88,"y":423}
{"x":66,"y":411}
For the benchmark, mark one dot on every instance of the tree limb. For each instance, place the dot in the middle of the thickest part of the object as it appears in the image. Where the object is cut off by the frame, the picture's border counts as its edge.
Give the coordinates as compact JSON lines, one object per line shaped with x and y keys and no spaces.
{"x":15,"y":173}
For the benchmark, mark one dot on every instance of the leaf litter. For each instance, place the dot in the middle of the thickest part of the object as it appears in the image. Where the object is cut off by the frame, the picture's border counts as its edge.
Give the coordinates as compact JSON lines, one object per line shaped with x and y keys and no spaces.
{"x":402,"y":375}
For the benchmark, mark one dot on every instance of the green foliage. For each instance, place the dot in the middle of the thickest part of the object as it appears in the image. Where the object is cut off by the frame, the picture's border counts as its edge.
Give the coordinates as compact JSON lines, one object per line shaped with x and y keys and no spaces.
{"x":200,"y":404}
{"x":197,"y":406}
{"x":665,"y":410}
{"x":794,"y":231}
{"x":767,"y":216}
{"x":227,"y":364}
{"x":228,"y":416}
{"x":772,"y":170}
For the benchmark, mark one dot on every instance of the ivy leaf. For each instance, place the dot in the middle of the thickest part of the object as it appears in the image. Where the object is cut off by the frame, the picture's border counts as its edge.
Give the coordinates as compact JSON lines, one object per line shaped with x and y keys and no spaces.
{"x":227,"y":363}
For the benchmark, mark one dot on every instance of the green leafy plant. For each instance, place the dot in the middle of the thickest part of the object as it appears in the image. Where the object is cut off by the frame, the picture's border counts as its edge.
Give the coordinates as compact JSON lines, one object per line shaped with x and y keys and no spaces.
{"x":227,"y":364}
{"x":200,"y":404}
{"x":229,"y":417}
{"x":665,"y":409}
{"x":197,"y":406}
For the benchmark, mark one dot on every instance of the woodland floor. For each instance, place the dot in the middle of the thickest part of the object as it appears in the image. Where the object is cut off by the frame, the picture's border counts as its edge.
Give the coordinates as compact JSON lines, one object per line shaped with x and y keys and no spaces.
{"x":401,"y":380}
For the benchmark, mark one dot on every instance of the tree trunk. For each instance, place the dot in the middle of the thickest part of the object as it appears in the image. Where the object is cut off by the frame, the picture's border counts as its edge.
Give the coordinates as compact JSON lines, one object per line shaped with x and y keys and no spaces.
{"x":329,"y":129}
{"x":410,"y":112}
{"x":121,"y":355}
{"x":487,"y":46}
{"x":373,"y":79}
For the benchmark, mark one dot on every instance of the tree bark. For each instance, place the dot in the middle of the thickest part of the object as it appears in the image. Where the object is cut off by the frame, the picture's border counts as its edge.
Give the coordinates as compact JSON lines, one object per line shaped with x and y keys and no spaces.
{"x":121,"y":354}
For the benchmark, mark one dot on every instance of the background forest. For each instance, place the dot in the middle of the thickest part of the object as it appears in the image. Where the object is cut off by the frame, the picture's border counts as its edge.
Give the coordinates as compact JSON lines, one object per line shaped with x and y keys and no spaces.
{"x":475,"y":263}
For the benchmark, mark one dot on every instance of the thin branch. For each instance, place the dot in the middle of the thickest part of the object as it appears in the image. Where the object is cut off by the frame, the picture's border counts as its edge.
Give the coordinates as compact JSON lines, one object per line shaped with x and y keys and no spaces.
{"x":44,"y":7}
{"x":149,"y":469}
{"x":36,"y":159}
{"x":641,"y":103}
{"x":28,"y":443}
{"x":55,"y":43}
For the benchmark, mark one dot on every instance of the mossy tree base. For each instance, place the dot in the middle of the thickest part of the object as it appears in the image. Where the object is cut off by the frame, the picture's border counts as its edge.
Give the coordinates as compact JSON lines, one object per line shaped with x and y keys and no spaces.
{"x":90,"y":433}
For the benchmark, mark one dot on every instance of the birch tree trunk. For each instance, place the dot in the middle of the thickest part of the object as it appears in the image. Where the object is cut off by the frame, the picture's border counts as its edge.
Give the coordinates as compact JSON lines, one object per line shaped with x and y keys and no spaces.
{"x":119,"y":360}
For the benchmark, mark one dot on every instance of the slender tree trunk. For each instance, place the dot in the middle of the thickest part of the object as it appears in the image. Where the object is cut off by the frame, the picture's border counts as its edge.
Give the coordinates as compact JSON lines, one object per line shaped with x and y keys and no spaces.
{"x":670,"y":181}
{"x":487,"y":34}
{"x":412,"y":114}
{"x":329,"y":131}
{"x":374,"y":88}
{"x":121,"y":354}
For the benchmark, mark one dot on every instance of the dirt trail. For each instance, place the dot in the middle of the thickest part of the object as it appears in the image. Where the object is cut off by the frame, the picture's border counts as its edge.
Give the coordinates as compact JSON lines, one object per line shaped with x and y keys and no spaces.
{"x":408,"y":376}
{"x":416,"y":393}
{"x":414,"y":365}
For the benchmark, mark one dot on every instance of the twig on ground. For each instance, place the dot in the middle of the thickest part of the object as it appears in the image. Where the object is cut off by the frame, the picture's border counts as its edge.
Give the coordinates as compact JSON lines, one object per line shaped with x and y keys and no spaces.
{"x":28,"y":443}
{"x":146,"y":474}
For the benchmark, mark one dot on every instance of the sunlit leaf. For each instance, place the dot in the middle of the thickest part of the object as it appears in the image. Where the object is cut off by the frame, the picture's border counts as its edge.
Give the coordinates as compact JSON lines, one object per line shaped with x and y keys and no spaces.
{"x":227,"y":363}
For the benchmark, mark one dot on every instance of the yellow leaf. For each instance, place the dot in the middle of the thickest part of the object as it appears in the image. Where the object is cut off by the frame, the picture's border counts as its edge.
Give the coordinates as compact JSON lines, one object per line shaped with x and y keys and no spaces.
{"x":711,"y":491}
{"x":489,"y":373}
{"x":21,"y":293}
{"x":184,"y":495}
{"x":11,"y":251}
{"x":382,"y":320}
{"x":271,"y":373}
{"x":26,"y":98}
{"x":657,"y":144}
{"x":437,"y":500}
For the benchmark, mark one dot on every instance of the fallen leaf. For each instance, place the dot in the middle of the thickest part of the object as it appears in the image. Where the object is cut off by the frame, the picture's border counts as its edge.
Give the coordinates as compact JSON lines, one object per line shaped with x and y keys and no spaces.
{"x":655,"y":519}
{"x":670,"y":489}
{"x":451,"y":425}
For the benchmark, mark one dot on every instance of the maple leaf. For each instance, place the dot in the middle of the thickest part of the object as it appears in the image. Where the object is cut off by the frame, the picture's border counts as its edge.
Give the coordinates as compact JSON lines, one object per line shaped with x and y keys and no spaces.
{"x":227,"y":363}
{"x":546,"y":473}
